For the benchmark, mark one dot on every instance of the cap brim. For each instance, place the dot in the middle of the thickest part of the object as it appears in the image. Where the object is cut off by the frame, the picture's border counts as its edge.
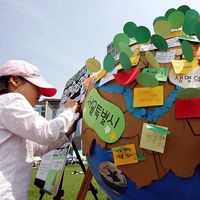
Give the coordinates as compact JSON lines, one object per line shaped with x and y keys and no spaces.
{"x":46,"y":89}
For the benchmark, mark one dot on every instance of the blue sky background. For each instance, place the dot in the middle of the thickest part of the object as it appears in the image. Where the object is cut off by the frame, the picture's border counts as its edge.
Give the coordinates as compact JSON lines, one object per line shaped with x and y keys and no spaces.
{"x":58,"y":36}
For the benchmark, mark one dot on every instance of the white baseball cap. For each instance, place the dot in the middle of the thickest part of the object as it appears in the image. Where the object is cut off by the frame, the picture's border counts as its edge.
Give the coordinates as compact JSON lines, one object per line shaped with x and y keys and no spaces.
{"x":30,"y":72}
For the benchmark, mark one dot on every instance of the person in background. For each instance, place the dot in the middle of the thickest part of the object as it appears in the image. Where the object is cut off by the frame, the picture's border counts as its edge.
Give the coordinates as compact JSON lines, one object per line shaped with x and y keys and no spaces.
{"x":23,"y":132}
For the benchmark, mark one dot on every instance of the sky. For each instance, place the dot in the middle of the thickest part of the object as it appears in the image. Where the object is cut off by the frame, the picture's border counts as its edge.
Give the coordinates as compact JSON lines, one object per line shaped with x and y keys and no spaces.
{"x":58,"y":36}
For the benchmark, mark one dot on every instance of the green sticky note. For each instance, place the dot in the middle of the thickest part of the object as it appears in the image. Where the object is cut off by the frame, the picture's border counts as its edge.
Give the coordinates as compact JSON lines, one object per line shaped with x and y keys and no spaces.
{"x":125,"y":48}
{"x":197,"y":30}
{"x":187,"y":51}
{"x":109,"y":63}
{"x":168,"y":12}
{"x":160,"y":74}
{"x":142,"y":34}
{"x":157,"y":129}
{"x":188,"y":93}
{"x":162,"y":28}
{"x":125,"y":61}
{"x":191,"y":38}
{"x":105,"y":118}
{"x":147,"y":80}
{"x":151,"y":59}
{"x":183,"y":8}
{"x":159,"y":42}
{"x":176,"y":19}
{"x":120,"y":38}
{"x":141,"y":156}
{"x":129,"y":29}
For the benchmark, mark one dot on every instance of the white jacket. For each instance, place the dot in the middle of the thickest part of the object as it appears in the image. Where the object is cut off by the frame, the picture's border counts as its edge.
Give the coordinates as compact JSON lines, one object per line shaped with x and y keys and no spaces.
{"x":23,"y":134}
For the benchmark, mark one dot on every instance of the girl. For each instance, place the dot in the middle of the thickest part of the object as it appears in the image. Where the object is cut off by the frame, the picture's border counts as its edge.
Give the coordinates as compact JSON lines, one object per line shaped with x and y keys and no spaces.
{"x":23,"y":132}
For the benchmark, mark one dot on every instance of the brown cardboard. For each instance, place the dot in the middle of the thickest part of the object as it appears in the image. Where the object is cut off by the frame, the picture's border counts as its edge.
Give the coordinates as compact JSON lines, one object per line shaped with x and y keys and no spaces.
{"x":182,"y":149}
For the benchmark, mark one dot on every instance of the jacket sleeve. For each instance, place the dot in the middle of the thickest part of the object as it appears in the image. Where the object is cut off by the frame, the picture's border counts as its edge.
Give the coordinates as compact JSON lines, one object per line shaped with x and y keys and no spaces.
{"x":40,"y":150}
{"x":18,"y":116}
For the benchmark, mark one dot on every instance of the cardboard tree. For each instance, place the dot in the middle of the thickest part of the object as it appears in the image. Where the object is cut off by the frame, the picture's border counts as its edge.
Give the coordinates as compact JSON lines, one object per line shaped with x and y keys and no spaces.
{"x":148,"y":96}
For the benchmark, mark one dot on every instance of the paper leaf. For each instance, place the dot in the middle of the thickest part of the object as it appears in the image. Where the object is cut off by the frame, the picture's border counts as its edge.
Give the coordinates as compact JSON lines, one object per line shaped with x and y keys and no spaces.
{"x":120,"y":37}
{"x":93,"y":65}
{"x":147,"y":80}
{"x":109,"y":63}
{"x":188,"y":93}
{"x":162,"y":28}
{"x":151,"y":59}
{"x":176,"y":19}
{"x":142,"y":34}
{"x":183,"y":8}
{"x":125,"y":61}
{"x":159,"y":42}
{"x":129,"y":29}
{"x":187,"y":51}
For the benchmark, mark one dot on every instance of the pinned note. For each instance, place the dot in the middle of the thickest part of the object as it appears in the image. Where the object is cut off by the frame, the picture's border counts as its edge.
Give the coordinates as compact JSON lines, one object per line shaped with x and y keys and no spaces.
{"x":183,"y":66}
{"x":190,"y":80}
{"x":153,"y":137}
{"x":148,"y":96}
{"x":160,"y":74}
{"x":124,"y":155}
{"x":165,"y":57}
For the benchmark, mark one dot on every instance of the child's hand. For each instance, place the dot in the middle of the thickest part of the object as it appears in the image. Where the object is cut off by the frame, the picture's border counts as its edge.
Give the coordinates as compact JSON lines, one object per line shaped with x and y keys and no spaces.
{"x":73,"y":105}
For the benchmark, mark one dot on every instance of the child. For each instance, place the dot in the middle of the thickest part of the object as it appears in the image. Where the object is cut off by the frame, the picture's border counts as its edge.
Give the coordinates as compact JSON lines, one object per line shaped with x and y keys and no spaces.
{"x":23,"y":132}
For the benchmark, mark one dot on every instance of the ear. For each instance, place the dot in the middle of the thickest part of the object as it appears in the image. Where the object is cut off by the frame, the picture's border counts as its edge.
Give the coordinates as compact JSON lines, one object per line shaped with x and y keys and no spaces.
{"x":15,"y":81}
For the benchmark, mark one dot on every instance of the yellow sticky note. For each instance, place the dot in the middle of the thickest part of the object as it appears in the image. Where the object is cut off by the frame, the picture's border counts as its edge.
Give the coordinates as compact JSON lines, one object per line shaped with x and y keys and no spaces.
{"x":134,"y":60}
{"x":148,"y":96}
{"x":152,"y":140}
{"x":124,"y":155}
{"x":183,"y":66}
{"x":100,"y":75}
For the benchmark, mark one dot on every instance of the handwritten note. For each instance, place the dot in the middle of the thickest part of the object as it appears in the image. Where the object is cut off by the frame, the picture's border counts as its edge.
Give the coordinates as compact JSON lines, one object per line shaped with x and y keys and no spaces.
{"x":172,"y":42}
{"x":124,"y":155}
{"x":108,"y":77}
{"x":183,"y":66}
{"x":148,"y":96}
{"x":152,"y":140}
{"x":165,"y":57}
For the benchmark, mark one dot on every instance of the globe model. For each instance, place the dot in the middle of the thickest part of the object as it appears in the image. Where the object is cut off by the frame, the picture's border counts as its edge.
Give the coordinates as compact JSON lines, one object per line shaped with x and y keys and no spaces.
{"x":141,"y":125}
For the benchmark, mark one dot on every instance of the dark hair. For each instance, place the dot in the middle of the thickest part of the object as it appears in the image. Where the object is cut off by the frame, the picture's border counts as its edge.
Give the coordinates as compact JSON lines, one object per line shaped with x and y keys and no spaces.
{"x":4,"y":82}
